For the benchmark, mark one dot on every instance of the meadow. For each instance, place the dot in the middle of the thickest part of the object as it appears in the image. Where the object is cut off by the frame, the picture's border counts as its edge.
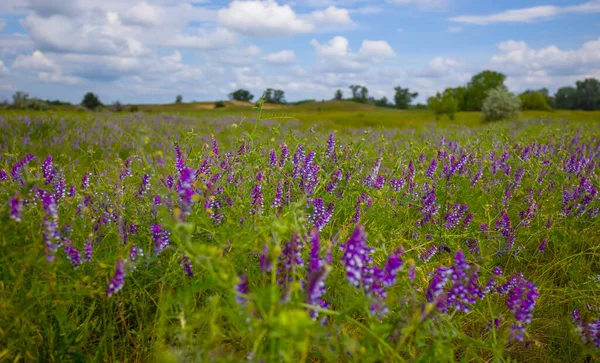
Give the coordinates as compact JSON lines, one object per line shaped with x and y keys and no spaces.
{"x":313,"y":233}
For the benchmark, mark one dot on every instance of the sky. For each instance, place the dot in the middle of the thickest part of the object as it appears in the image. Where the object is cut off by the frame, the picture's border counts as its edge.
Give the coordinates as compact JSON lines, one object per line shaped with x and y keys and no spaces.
{"x":152,"y":50}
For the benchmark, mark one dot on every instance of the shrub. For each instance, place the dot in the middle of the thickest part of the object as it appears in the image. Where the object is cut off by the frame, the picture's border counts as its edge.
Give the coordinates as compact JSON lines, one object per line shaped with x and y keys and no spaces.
{"x":179,"y":99}
{"x":534,"y":101}
{"x":134,"y":108}
{"x":37,"y":105}
{"x":91,"y":101}
{"x":219,"y":104}
{"x":500,"y":104}
{"x":117,"y":107}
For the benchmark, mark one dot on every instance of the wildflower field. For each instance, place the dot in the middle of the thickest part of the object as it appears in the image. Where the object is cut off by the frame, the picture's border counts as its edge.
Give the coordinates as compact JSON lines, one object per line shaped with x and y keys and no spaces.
{"x":137,"y":237}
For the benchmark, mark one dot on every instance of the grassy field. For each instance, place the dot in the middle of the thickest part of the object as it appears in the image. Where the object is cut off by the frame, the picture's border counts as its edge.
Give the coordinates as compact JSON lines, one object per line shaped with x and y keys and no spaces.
{"x":311,"y":233}
{"x":334,"y":114}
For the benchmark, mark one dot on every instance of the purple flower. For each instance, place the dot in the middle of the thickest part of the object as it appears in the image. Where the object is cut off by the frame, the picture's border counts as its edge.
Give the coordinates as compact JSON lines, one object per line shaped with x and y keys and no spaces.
{"x":278,"y":195}
{"x":266,"y":264}
{"x":290,"y":260}
{"x":432,"y":168}
{"x":179,"y":160}
{"x":285,"y":154}
{"x":118,"y":280}
{"x":476,"y":177}
{"x":215,"y":147}
{"x":85,"y":181}
{"x":3,"y":175}
{"x":543,"y":245}
{"x":187,"y":265}
{"x":72,"y":255}
{"x":521,"y":301}
{"x":242,"y":288}
{"x":18,"y":166}
{"x":357,"y":258}
{"x":330,"y":145}
{"x":272,"y":158}
{"x":49,"y":204}
{"x":160,"y":237}
{"x":453,"y":217}
{"x":48,"y":170}
{"x":427,"y":255}
{"x":257,"y":200}
{"x":60,"y":188}
{"x":144,"y":186}
{"x":16,"y":207}
{"x":87,"y":250}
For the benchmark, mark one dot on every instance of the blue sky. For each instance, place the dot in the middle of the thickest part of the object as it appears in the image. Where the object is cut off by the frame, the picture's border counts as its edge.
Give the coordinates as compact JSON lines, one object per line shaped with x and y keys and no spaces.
{"x":150,"y":51}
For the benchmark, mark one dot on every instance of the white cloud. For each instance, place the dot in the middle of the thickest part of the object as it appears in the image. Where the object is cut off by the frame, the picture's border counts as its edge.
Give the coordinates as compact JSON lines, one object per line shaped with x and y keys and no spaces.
{"x":517,"y":57}
{"x":218,"y":39}
{"x":281,"y":58}
{"x":36,"y":61}
{"x":262,"y":19}
{"x":336,"y":47}
{"x":546,"y":67}
{"x":335,"y":55}
{"x":3,"y":70}
{"x":526,"y":15}
{"x":332,"y":16}
{"x":376,"y":49}
{"x":57,"y":77}
{"x":145,"y":14}
{"x":440,"y":67}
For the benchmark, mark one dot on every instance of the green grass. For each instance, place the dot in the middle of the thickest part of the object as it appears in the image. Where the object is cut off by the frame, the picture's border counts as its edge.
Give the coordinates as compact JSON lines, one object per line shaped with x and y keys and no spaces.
{"x":53,"y":312}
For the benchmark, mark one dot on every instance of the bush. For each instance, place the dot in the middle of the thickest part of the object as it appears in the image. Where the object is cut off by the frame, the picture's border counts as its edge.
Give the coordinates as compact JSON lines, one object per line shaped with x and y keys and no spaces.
{"x":134,"y":108}
{"x":37,"y":105}
{"x":179,"y":99}
{"x":500,"y":104}
{"x":117,"y":107}
{"x":219,"y":104}
{"x":534,"y":101}
{"x":91,"y":101}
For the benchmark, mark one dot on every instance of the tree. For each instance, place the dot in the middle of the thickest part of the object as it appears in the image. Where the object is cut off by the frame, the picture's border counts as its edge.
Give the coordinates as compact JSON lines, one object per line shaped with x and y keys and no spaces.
{"x":533,"y":100}
{"x":91,"y":101}
{"x":444,"y":103}
{"x":20,"y":100}
{"x":478,"y":88}
{"x":404,"y":97}
{"x":566,"y":98}
{"x":276,"y":96}
{"x":500,"y":104}
{"x":117,"y":106}
{"x":179,"y":99}
{"x":383,"y":102}
{"x":359,"y":93}
{"x":338,"y":95}
{"x":241,"y":95}
{"x":588,"y":94}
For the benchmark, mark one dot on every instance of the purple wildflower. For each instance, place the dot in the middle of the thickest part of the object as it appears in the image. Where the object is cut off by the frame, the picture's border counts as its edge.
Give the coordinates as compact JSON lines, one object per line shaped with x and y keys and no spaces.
{"x":257,"y":200}
{"x":118,"y":280}
{"x":16,"y":207}
{"x":48,"y":170}
{"x":144,"y":186}
{"x":357,"y":258}
{"x":543,"y":245}
{"x":242,"y":288}
{"x":427,"y":255}
{"x":18,"y":166}
{"x":160,"y":237}
{"x":73,"y":255}
{"x":432,"y":168}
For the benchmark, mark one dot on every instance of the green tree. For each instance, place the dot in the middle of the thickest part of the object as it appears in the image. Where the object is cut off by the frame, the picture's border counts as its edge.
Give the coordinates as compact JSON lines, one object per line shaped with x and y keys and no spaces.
{"x":338,"y":95}
{"x":436,"y":105}
{"x":478,"y":87}
{"x":359,"y":93}
{"x":91,"y":101}
{"x":403,"y":97}
{"x":382,"y":102}
{"x":449,"y":103}
{"x":278,"y":96}
{"x":179,"y":99}
{"x":588,"y":94}
{"x":566,"y":98}
{"x":20,"y":100}
{"x":533,"y":100}
{"x":241,"y":95}
{"x":500,"y":104}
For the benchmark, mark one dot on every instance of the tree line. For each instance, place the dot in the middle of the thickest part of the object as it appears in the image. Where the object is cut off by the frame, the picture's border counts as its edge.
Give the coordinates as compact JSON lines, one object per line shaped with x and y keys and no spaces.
{"x":585,"y":95}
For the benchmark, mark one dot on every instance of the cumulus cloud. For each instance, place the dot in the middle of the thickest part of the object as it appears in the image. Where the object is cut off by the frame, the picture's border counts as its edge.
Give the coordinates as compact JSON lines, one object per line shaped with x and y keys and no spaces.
{"x":281,"y":58}
{"x":440,"y":67}
{"x":262,"y":19}
{"x":36,"y":61}
{"x":336,"y":56}
{"x":517,"y":57}
{"x":332,"y":16}
{"x":3,"y":70}
{"x":546,"y":67}
{"x":526,"y":15}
